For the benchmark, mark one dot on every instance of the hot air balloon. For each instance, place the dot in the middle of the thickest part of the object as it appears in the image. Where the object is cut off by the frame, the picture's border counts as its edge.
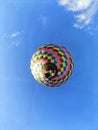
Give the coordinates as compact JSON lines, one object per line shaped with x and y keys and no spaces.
{"x":51,"y":65}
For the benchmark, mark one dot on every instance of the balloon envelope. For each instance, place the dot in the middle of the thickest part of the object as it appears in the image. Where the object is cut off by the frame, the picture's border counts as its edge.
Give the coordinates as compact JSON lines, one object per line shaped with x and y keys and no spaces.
{"x":51,"y":65}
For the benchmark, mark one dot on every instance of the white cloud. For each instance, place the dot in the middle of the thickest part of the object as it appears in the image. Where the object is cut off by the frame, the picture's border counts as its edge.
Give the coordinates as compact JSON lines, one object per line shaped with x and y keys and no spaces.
{"x":12,"y":35}
{"x":84,"y":10}
{"x":15,"y":34}
{"x":43,"y":20}
{"x":16,"y":43}
{"x":14,"y":38}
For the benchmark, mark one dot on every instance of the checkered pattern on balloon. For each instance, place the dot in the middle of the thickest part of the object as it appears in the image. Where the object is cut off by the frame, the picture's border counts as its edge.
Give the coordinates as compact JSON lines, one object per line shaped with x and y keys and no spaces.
{"x":60,"y":61}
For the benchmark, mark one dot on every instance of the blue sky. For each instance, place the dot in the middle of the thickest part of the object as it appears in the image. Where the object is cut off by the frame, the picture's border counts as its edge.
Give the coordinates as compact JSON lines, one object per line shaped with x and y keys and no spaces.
{"x":24,"y":103}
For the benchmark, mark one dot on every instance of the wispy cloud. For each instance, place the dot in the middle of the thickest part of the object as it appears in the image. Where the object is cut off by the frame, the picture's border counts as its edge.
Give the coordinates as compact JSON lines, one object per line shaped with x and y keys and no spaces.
{"x":15,"y":34}
{"x":16,"y":43}
{"x":43,"y":20}
{"x":84,"y":10}
{"x":14,"y":38}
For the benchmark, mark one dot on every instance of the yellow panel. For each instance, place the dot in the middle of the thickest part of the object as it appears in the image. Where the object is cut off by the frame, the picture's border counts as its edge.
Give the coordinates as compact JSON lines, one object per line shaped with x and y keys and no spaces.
{"x":56,"y":48}
{"x":37,"y":56}
{"x":40,"y":55}
{"x":60,"y":80}
{"x":45,"y":55}
{"x":70,"y":73}
{"x":59,"y":73}
{"x":55,"y":81}
{"x":72,"y":66}
{"x":51,"y":46}
{"x":52,"y":74}
{"x":62,"y":69}
{"x":63,"y":58}
{"x":61,"y":53}
{"x":49,"y":57}
{"x":50,"y":71}
{"x":64,"y":64}
{"x":65,"y":77}
{"x":52,"y":61}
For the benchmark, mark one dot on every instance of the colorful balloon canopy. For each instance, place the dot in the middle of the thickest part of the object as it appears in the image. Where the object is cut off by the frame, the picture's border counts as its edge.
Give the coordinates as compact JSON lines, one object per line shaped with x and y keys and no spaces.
{"x":51,"y":65}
